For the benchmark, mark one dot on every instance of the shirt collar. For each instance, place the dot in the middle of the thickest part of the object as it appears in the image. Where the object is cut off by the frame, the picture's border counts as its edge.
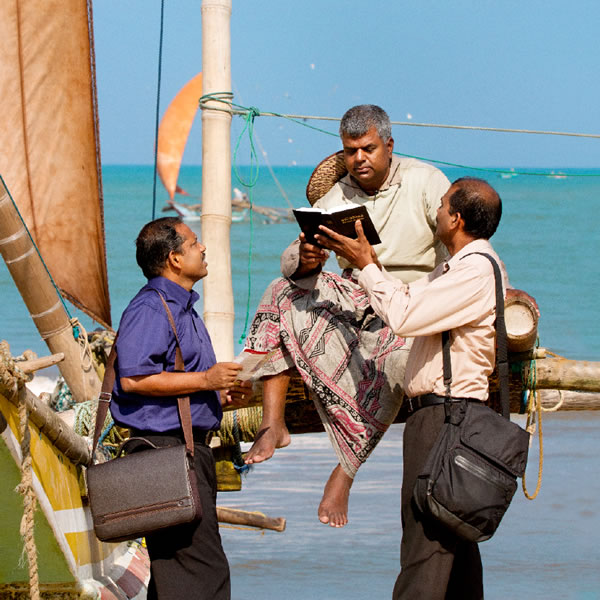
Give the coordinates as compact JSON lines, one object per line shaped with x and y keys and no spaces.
{"x":174,"y":292}
{"x":479,"y":245}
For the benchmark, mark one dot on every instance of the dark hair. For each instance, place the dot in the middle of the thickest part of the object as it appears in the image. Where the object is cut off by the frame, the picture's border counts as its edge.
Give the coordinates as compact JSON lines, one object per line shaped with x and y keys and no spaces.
{"x":479,"y":206}
{"x":154,"y":243}
{"x":359,"y":119}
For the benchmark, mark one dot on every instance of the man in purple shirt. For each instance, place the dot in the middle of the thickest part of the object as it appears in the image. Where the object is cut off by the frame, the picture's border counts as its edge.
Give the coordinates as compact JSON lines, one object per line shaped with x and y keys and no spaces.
{"x":187,"y":561}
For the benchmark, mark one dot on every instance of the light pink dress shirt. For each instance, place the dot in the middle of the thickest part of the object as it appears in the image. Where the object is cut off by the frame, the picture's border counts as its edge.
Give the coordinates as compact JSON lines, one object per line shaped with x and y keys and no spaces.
{"x":458,"y":295}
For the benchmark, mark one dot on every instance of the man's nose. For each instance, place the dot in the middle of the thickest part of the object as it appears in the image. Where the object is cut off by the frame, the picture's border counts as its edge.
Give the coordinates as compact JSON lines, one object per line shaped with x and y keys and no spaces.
{"x":359,"y":156}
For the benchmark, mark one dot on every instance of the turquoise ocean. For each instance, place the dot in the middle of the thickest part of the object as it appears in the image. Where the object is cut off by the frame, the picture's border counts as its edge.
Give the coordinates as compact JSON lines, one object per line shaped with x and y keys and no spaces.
{"x":547,"y":548}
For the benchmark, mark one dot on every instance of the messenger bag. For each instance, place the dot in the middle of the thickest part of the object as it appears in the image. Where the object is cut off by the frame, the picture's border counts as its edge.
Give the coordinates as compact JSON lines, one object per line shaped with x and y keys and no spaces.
{"x":152,"y":487}
{"x":469,"y":478}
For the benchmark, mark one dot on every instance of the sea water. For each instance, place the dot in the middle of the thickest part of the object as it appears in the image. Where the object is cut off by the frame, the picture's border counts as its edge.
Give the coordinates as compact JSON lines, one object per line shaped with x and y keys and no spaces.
{"x":546,"y":548}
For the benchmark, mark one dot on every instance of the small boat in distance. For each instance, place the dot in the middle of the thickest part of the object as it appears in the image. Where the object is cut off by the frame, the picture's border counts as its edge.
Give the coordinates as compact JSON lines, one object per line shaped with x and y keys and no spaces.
{"x":558,"y":175}
{"x":240,"y":210}
{"x":191,"y":214}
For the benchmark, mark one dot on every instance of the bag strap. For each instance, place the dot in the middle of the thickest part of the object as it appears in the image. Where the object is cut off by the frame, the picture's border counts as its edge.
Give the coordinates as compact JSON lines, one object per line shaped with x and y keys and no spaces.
{"x":183,"y":403}
{"x":501,"y":342}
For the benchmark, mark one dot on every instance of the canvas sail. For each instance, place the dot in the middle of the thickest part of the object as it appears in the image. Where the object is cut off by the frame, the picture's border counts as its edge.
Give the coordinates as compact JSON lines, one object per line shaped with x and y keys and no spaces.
{"x":174,"y":131}
{"x":49,"y":155}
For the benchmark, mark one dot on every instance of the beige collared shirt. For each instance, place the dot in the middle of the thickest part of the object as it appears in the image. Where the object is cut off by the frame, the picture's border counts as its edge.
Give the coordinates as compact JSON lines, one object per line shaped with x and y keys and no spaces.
{"x":404,"y":214}
{"x":459,"y":295}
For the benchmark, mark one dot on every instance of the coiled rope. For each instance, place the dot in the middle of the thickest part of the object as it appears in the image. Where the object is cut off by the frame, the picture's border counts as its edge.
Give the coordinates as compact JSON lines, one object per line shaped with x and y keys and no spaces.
{"x":12,"y":378}
{"x":25,"y":488}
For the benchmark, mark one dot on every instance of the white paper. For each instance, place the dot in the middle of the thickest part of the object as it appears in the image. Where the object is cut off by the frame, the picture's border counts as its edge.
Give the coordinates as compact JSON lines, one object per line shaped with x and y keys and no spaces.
{"x":251,"y":361}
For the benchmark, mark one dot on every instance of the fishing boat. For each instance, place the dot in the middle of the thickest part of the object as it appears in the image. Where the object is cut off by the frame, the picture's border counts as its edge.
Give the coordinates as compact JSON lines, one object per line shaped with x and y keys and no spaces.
{"x":50,"y":193}
{"x":194,"y":214}
{"x":52,"y":183}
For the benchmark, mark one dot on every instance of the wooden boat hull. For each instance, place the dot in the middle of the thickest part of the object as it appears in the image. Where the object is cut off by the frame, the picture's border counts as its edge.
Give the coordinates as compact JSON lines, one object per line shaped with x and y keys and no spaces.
{"x":71,"y":560}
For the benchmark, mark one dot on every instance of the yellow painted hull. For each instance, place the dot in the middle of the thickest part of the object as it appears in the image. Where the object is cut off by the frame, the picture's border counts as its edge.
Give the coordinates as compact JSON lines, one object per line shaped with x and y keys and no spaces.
{"x":70,"y":557}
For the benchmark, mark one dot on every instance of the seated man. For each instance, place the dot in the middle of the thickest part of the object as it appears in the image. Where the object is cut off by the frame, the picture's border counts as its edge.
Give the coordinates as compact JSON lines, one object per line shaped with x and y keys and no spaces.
{"x":321,"y":323}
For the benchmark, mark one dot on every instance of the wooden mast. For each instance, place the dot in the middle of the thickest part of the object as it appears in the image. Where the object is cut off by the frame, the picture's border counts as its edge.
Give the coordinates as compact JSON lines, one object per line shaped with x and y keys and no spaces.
{"x":43,"y":302}
{"x":216,"y":176}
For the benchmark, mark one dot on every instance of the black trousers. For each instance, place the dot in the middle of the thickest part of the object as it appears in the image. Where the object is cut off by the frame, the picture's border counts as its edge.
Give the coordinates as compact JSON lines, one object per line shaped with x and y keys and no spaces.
{"x":435,"y":564}
{"x":188,"y":561}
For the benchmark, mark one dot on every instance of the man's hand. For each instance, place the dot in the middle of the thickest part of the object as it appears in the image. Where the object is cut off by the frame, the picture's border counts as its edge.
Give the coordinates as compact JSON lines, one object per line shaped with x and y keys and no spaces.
{"x":357,"y":252}
{"x":312,"y":258}
{"x":513,"y":293}
{"x":222,"y":376}
{"x":237,"y":396}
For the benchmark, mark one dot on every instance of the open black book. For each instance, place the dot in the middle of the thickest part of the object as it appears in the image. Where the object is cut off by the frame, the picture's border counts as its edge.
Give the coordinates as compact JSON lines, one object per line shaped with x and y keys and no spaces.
{"x":340,"y":218}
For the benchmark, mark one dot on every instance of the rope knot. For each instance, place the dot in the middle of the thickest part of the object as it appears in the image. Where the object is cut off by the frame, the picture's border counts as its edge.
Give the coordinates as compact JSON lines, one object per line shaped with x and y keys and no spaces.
{"x":253,"y":112}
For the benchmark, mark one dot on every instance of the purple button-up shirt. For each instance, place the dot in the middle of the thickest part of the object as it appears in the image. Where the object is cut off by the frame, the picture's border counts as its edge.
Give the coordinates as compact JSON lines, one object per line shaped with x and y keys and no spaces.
{"x":146,"y":345}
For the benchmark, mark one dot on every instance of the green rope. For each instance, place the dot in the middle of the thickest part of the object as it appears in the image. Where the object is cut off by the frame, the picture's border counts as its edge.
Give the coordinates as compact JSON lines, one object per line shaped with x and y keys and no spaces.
{"x":76,"y":330}
{"x":249,"y":115}
{"x":529,"y":386}
{"x":242,"y":110}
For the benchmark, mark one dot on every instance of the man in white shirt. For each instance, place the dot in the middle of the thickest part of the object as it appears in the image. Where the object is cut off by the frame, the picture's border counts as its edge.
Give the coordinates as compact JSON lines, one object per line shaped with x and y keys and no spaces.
{"x":458,"y":296}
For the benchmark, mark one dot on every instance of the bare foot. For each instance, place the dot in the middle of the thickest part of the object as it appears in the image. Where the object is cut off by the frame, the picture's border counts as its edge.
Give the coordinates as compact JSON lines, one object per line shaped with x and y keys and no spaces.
{"x":266,"y":441}
{"x":333,"y":509}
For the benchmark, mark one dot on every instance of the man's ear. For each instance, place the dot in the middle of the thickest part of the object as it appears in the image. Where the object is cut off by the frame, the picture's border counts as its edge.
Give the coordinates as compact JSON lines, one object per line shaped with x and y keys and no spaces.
{"x":173,"y":259}
{"x":390,"y":146}
{"x":457,"y":220}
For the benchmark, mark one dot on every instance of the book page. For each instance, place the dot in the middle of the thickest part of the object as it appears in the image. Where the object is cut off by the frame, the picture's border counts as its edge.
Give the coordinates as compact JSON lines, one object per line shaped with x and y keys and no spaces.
{"x":310,"y":209}
{"x":346,"y":206}
{"x":251,"y":361}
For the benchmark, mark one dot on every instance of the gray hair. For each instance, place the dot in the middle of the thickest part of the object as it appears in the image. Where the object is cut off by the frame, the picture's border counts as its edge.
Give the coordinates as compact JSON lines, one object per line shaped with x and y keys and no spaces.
{"x":359,"y":119}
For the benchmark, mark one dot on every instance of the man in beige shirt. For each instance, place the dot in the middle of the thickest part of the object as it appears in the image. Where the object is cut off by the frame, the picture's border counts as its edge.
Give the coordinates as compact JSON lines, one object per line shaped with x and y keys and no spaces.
{"x":458,"y":296}
{"x":321,"y":324}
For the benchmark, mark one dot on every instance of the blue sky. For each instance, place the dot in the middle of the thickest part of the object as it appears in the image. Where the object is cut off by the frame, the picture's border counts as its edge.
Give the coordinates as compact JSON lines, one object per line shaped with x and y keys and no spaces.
{"x":526,"y":65}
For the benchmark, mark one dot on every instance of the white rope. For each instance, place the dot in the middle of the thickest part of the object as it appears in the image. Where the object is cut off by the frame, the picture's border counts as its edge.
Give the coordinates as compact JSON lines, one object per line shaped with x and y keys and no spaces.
{"x":236,"y":111}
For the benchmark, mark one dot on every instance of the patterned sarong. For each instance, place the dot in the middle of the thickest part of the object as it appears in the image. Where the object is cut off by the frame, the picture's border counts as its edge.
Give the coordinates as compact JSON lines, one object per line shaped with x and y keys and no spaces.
{"x":351,"y":361}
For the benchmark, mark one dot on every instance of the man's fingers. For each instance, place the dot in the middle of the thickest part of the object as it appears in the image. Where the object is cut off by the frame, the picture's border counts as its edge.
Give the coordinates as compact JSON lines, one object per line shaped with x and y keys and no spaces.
{"x":330,"y":233}
{"x":360,"y":231}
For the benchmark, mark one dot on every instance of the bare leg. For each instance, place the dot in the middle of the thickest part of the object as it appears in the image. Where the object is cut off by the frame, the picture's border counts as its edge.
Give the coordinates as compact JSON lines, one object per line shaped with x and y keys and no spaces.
{"x":272,"y":432}
{"x":334,"y":504}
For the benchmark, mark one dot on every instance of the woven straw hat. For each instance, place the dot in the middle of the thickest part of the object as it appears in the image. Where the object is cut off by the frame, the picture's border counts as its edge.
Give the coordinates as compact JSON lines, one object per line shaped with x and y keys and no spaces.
{"x":327,"y":173}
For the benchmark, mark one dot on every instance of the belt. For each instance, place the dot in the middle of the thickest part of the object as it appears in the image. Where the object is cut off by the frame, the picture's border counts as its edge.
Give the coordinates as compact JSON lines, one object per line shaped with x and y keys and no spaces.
{"x":417,"y":402}
{"x":201,"y":436}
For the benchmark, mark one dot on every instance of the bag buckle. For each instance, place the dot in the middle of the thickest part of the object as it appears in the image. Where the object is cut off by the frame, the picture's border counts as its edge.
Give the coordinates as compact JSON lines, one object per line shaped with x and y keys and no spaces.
{"x":104,"y":396}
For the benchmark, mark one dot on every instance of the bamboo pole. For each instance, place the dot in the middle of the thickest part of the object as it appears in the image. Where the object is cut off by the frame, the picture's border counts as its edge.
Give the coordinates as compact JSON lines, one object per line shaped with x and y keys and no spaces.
{"x":249,"y":519}
{"x":36,"y":364}
{"x":216,"y":177}
{"x":43,"y":302}
{"x":564,"y":374}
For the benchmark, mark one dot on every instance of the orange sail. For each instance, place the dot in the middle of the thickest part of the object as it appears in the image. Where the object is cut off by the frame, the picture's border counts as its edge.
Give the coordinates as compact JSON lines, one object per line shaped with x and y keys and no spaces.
{"x":174,"y":131}
{"x":50,"y":156}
